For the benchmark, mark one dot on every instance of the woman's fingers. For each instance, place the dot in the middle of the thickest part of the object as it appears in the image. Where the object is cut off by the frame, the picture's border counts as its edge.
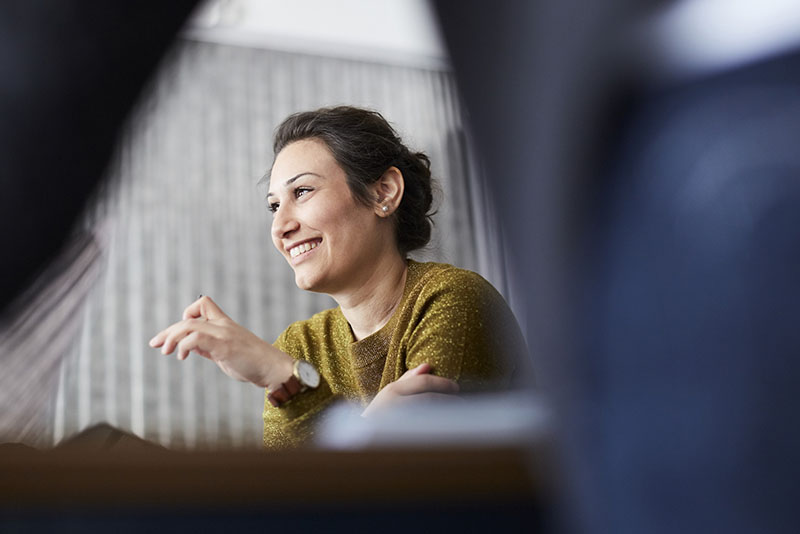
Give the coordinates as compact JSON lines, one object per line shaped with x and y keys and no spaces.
{"x":204,"y":307}
{"x":424,"y":383}
{"x":169,"y":338}
{"x":198,"y":342}
{"x":186,"y":345}
{"x":415,"y":384}
{"x":174,"y":333}
{"x":157,"y":340}
{"x":421,"y":369}
{"x":207,"y":331}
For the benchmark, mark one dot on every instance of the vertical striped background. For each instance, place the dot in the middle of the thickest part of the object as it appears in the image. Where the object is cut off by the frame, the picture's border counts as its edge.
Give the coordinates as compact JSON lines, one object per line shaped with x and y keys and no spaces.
{"x":186,"y":218}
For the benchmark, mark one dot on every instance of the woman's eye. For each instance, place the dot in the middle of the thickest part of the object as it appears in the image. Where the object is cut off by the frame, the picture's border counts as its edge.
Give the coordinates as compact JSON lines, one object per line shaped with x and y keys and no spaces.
{"x":273,"y":207}
{"x":300,"y":191}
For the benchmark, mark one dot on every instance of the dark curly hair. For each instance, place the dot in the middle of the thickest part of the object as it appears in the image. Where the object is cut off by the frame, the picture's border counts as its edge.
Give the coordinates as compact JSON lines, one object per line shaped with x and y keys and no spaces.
{"x":365,"y":146}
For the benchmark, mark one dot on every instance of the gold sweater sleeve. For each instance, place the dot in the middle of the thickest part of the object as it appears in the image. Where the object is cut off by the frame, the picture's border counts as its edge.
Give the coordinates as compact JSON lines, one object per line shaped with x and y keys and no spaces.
{"x":462,"y":327}
{"x":293,"y":424}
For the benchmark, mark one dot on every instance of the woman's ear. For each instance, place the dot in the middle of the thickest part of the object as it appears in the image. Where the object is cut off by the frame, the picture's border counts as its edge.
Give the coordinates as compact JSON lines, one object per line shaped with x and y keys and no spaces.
{"x":389,"y":191}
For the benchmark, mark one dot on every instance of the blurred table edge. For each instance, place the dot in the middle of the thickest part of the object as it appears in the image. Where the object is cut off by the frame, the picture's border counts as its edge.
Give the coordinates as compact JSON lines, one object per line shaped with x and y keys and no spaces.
{"x":135,"y":472}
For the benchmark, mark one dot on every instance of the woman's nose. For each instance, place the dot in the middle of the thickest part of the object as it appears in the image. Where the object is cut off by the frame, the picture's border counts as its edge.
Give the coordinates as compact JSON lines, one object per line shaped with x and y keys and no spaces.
{"x":284,"y":223}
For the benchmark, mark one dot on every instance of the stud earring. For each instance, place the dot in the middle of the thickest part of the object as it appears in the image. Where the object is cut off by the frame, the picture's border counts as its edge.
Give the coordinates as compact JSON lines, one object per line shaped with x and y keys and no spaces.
{"x":385,"y":209}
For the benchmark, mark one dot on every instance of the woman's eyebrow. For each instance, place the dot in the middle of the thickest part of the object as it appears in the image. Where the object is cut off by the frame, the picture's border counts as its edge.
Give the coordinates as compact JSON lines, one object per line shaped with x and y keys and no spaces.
{"x":289,"y":182}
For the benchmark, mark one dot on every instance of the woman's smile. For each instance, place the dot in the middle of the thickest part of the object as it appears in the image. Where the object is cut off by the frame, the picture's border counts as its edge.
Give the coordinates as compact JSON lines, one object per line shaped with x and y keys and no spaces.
{"x":300,"y":252}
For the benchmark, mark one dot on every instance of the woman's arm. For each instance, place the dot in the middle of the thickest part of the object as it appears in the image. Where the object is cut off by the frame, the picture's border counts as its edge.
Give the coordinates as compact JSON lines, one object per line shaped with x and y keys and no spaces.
{"x":416,"y":384}
{"x":207,"y":331}
{"x":460,"y":335}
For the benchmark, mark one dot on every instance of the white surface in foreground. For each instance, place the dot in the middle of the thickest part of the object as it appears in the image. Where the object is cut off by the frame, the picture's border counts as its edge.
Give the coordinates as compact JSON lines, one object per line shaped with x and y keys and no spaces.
{"x":518,"y":418}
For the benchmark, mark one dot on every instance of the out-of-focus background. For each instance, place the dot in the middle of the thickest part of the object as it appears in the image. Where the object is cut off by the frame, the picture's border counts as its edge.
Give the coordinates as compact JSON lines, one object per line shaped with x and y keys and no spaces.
{"x":181,"y":214}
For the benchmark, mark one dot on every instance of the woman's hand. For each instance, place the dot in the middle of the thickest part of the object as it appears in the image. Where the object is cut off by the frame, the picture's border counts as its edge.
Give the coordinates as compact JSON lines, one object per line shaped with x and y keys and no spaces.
{"x":242,"y":355}
{"x":415,"y":384}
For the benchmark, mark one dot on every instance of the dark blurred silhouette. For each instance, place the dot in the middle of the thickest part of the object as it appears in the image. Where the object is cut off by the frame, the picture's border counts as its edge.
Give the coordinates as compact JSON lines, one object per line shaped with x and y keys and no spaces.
{"x":655,"y":217}
{"x":70,"y":72}
{"x":689,"y":325}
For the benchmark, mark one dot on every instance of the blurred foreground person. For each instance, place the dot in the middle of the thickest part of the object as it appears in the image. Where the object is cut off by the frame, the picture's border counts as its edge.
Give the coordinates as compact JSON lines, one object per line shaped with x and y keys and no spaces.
{"x":658,"y":150}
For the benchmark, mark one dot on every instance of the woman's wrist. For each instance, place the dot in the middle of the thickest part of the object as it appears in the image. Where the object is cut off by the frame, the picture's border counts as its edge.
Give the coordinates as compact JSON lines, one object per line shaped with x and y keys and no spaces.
{"x":279,"y":369}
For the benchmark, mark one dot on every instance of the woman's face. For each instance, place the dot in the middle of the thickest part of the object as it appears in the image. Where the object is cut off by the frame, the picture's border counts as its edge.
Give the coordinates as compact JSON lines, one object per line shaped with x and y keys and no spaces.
{"x":329,"y":238}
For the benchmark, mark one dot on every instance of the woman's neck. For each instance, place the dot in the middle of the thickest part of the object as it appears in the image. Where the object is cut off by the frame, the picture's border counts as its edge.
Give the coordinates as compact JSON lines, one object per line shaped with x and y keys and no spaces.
{"x":371,"y":306}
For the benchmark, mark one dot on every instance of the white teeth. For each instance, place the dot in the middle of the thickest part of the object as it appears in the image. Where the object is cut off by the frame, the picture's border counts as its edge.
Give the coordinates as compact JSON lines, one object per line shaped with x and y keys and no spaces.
{"x":299,"y":249}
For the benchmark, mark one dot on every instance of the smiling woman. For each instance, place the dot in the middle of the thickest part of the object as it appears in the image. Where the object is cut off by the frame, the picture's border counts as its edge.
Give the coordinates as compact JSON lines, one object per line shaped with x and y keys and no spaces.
{"x":349,"y":202}
{"x":331,"y":240}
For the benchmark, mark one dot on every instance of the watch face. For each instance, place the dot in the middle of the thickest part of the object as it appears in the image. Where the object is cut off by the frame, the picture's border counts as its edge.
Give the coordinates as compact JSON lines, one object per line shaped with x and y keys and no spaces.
{"x":308,"y":375}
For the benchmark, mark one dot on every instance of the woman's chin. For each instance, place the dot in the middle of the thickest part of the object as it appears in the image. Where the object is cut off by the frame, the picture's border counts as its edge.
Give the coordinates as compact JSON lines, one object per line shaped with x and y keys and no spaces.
{"x":305,"y":282}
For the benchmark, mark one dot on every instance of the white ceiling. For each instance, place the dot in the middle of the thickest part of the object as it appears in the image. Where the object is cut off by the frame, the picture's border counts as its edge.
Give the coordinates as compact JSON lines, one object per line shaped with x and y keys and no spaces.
{"x":395,"y":31}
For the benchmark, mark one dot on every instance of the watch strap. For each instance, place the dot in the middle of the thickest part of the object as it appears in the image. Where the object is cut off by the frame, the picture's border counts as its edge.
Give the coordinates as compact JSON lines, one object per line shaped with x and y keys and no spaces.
{"x":285,"y":392}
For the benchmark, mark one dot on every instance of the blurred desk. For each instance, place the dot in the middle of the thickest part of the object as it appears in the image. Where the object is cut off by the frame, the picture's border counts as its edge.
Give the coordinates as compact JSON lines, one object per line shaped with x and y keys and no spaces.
{"x":90,"y":488}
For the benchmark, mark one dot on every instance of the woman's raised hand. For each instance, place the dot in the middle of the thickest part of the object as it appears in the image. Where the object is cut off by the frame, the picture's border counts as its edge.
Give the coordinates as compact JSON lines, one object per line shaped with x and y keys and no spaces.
{"x":207,"y":331}
{"x":415,"y":384}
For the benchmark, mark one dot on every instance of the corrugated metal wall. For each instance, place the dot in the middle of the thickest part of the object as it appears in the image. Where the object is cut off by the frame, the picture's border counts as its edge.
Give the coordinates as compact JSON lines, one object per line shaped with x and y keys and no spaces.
{"x":187,"y":218}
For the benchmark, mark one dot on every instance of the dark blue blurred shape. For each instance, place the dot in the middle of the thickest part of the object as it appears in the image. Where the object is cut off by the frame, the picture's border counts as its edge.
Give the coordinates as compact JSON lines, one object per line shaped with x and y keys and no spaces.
{"x":689,"y":419}
{"x":657,"y":228}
